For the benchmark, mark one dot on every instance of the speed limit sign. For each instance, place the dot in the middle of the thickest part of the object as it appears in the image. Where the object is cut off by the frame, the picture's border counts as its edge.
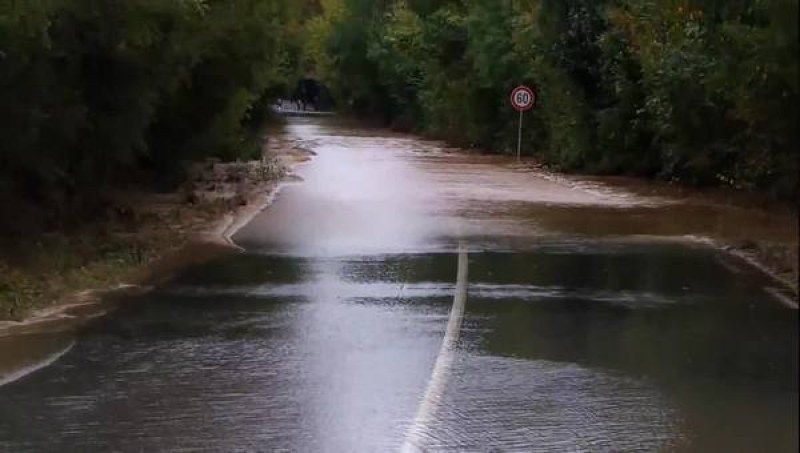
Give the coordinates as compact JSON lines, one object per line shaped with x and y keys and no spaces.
{"x":523,"y":98}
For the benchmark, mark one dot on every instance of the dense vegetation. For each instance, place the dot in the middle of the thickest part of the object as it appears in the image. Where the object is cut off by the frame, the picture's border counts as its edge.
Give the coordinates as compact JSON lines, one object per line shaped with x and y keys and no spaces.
{"x":700,"y":91}
{"x":100,"y":94}
{"x":97,"y":94}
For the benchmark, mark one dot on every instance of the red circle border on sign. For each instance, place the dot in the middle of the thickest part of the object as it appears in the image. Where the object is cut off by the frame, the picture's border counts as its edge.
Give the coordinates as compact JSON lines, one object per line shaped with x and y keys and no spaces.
{"x":529,"y":91}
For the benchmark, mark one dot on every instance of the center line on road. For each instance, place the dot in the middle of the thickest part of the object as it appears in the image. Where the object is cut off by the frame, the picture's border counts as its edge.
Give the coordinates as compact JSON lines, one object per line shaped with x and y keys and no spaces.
{"x":436,"y":385}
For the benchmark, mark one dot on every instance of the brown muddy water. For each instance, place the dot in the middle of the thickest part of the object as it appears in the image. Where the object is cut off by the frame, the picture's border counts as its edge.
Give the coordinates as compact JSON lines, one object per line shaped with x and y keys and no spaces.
{"x":594,"y":321}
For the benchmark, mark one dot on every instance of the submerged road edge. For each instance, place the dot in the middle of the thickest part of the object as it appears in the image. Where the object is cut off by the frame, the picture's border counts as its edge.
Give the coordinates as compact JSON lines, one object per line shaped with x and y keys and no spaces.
{"x":441,"y":368}
{"x":29,"y":369}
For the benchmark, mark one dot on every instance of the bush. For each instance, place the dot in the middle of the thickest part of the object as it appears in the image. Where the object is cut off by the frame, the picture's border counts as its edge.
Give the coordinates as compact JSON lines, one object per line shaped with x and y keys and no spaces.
{"x":699,"y":91}
{"x":98,"y":94}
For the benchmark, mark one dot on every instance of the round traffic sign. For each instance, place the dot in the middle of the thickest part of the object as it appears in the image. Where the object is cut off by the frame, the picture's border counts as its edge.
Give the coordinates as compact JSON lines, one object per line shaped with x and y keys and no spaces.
{"x":523,"y":98}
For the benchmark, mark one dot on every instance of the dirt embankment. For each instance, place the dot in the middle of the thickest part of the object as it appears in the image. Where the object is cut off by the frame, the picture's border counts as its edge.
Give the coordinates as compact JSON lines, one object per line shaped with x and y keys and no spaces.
{"x":144,"y":241}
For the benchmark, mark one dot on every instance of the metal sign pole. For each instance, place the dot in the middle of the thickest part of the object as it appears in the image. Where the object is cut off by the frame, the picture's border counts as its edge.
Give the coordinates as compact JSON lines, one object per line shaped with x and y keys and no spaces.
{"x":519,"y":138}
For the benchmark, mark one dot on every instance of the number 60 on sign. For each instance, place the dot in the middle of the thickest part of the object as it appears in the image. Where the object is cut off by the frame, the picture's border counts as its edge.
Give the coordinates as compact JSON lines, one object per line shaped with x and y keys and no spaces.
{"x":523,"y":98}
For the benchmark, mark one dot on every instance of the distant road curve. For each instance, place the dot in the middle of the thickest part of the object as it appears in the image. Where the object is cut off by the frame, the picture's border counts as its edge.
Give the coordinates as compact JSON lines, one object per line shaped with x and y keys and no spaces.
{"x":295,"y":112}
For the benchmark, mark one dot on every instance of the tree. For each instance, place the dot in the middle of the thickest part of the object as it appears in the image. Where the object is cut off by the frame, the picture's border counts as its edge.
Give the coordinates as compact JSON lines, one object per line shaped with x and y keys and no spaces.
{"x":99,"y":94}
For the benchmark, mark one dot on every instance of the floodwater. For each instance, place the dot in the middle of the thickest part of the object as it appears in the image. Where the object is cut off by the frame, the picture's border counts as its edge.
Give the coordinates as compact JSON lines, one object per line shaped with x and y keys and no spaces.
{"x":592,"y":322}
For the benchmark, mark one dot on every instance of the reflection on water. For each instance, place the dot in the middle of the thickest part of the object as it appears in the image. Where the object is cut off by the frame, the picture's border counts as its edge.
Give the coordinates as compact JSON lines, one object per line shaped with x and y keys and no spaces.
{"x":333,"y":368}
{"x":563,"y":351}
{"x":525,"y":405}
{"x":322,"y":336}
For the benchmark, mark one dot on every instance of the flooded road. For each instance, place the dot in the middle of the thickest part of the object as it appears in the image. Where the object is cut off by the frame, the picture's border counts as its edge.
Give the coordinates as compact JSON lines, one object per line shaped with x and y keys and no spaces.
{"x":590,"y":323}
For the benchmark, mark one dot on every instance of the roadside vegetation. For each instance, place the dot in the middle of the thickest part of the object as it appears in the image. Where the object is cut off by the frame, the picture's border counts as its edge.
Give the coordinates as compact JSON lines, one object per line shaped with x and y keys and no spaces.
{"x":106,"y":94}
{"x":698,"y":91}
{"x":101,"y":99}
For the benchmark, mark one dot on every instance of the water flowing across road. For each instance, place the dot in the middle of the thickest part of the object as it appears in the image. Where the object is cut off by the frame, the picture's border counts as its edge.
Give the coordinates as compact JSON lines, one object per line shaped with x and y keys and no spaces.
{"x":588,"y":322}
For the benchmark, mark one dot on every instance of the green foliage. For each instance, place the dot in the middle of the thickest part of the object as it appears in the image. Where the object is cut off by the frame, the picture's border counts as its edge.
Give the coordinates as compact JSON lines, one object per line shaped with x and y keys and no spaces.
{"x":99,"y":93}
{"x":702,"y":91}
{"x":399,"y":53}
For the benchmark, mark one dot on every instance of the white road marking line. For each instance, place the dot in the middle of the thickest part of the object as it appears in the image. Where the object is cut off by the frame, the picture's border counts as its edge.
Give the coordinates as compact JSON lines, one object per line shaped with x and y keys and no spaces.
{"x":438,"y":381}
{"x":784,"y":299}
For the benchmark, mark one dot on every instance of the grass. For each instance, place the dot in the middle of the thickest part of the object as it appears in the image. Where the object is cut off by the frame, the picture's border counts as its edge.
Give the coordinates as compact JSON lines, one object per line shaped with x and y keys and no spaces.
{"x":57,"y":265}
